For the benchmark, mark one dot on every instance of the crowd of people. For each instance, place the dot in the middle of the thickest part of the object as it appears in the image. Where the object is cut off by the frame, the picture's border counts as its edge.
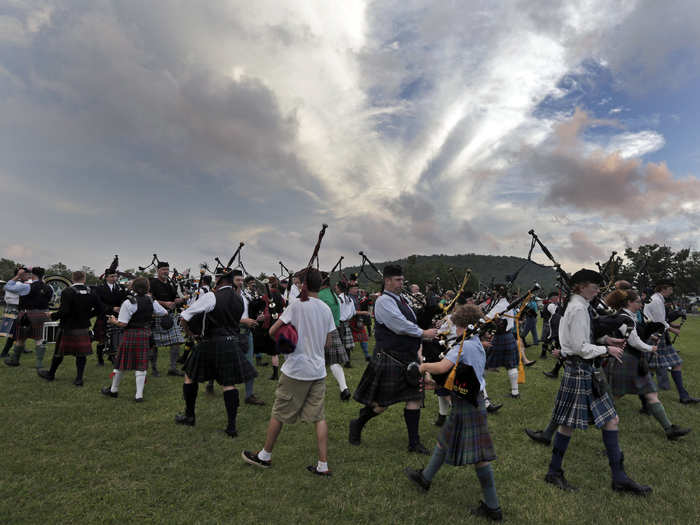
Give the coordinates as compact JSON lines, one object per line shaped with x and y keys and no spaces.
{"x":228,"y":326}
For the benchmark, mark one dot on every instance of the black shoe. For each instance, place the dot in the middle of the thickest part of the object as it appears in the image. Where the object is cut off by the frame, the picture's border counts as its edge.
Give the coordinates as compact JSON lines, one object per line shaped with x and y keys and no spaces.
{"x":644,"y":411}
{"x":487,"y":512}
{"x":101,"y":363}
{"x":210,"y":389}
{"x":348,"y":365}
{"x":551,"y":375}
{"x":314,"y":470}
{"x":531,"y":363}
{"x":690,"y":400}
{"x":107,"y":391}
{"x":175,"y":372}
{"x":631,"y":486}
{"x":515,"y":396}
{"x":155,"y":373}
{"x":368,"y":359}
{"x":538,"y":436}
{"x":27,"y":351}
{"x":253,"y":459}
{"x":674,"y":432}
{"x":417,"y":477}
{"x":345,"y":395}
{"x":252,"y":400}
{"x":78,"y":382}
{"x":558,"y":480}
{"x":355,"y":435}
{"x":440,"y":420}
{"x":230,"y":433}
{"x":182,"y":419}
{"x":45,"y":374}
{"x":418,"y":448}
{"x":138,"y":400}
{"x":11,"y":361}
{"x":494,"y":407}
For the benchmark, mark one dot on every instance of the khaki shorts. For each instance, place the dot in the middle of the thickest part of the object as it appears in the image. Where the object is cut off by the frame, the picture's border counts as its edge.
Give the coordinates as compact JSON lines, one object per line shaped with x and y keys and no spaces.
{"x":299,"y":399}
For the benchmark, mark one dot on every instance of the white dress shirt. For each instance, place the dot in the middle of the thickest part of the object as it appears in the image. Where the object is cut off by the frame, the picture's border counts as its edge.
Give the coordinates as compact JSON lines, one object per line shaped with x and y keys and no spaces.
{"x":575,"y":331}
{"x":655,"y":309}
{"x":500,"y":308}
{"x":347,"y":307}
{"x":634,"y":340}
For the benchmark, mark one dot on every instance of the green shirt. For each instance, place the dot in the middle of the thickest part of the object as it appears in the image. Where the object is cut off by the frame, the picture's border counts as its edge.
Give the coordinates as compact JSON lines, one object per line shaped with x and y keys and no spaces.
{"x":328,"y":297}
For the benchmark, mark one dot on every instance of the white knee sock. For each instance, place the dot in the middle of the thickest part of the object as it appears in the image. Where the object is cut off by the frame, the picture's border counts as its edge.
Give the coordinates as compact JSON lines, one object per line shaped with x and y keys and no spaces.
{"x":339,"y":375}
{"x":443,"y":405}
{"x":513,"y":378}
{"x":487,"y":401}
{"x":116,"y":377}
{"x":140,"y":382}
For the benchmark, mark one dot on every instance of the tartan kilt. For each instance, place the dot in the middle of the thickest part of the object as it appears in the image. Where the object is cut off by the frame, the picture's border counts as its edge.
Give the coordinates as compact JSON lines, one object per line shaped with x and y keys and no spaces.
{"x":172,"y":336}
{"x":37,"y":318}
{"x":9,"y":316}
{"x":221,"y":359}
{"x":75,"y":342}
{"x":335,"y":353}
{"x":133,"y":349}
{"x":99,"y":330}
{"x":503,"y":352}
{"x":665,"y":355}
{"x":359,"y":331}
{"x":465,"y":435}
{"x":383,"y":382}
{"x":114,"y":338}
{"x":625,"y":379}
{"x":346,"y":336}
{"x":546,"y":331}
{"x":575,"y":405}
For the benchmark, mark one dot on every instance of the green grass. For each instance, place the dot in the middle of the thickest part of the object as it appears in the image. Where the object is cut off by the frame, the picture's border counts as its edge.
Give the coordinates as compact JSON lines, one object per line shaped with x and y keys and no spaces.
{"x":72,"y":455}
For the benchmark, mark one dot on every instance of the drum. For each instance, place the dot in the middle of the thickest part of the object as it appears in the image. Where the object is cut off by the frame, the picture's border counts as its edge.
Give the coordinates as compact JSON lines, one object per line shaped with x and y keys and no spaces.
{"x":57,"y":284}
{"x":50,"y":331}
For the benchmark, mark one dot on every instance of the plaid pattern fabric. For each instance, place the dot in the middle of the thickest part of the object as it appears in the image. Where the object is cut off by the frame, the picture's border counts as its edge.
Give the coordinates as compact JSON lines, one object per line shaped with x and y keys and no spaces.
{"x":113,"y":339}
{"x":664,"y":356}
{"x":359,"y":331}
{"x":220,"y":359}
{"x":575,"y":405}
{"x":9,"y":316}
{"x":465,"y":435}
{"x":625,"y":379}
{"x":74,"y":342}
{"x":133,"y":350}
{"x":37,"y":318}
{"x":335,"y":353}
{"x":172,"y":336}
{"x":384,"y":382}
{"x":99,"y":330}
{"x":346,"y":335}
{"x":503,"y":352}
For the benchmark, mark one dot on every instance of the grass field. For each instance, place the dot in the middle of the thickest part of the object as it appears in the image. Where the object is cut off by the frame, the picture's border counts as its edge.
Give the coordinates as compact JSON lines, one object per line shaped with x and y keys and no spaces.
{"x":72,"y":455}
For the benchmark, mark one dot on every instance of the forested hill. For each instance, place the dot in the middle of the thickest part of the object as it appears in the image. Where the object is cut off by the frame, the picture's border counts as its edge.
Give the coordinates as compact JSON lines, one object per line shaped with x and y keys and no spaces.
{"x":423,"y":268}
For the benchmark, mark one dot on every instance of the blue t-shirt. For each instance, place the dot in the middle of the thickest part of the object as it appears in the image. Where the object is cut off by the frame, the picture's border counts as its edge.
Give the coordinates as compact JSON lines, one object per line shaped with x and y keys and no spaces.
{"x":473,"y":354}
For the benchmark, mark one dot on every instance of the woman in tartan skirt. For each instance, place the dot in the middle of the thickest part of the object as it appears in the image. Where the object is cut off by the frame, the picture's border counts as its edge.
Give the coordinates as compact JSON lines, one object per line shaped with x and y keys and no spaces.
{"x":504,"y":348}
{"x":464,"y":438}
{"x":582,"y":396}
{"x":632,"y":375}
{"x":135,"y":315}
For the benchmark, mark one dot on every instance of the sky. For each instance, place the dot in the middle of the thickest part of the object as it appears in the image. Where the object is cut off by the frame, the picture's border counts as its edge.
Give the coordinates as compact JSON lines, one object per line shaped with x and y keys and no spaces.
{"x":410,"y":127}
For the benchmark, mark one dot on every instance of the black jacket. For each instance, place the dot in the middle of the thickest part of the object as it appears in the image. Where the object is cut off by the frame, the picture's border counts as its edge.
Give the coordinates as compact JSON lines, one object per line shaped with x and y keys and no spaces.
{"x":78,"y":306}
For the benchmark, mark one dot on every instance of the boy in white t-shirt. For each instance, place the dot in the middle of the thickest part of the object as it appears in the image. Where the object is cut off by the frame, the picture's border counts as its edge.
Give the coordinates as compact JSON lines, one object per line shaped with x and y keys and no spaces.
{"x":301,"y":389}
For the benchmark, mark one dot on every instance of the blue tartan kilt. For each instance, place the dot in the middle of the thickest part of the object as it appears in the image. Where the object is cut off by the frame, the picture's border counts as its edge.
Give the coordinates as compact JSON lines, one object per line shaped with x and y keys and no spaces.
{"x":576,"y":406}
{"x":465,"y":435}
{"x":335,"y":354}
{"x":171,"y":336}
{"x":625,"y":379}
{"x":503,"y":352}
{"x":221,"y":359}
{"x":384,"y":382}
{"x":665,"y":355}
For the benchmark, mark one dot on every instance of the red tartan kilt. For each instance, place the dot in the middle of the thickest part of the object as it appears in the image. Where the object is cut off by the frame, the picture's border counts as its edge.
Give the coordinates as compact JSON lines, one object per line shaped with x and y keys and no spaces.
{"x":133,"y":350}
{"x":100,"y":329}
{"x":75,"y":342}
{"x":359,"y":333}
{"x":37,"y":318}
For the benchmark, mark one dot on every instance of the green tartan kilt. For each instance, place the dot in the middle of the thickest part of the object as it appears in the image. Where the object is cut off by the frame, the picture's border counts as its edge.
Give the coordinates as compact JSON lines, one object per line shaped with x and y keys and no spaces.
{"x":220,"y":359}
{"x":465,"y":435}
{"x":624,"y":378}
{"x":384,"y":382}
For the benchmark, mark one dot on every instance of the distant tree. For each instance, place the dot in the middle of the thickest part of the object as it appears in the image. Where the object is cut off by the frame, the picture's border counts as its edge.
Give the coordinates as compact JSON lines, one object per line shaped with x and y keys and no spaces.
{"x":59,"y":269}
{"x":7,"y":268}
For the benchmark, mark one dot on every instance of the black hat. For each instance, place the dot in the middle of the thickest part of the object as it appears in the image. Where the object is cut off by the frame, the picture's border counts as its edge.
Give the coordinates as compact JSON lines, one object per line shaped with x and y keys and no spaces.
{"x":392,"y":270}
{"x":665,"y":282}
{"x":237,"y":273}
{"x":585,"y":275}
{"x":110,"y":271}
{"x":354,"y":276}
{"x":163,"y":264}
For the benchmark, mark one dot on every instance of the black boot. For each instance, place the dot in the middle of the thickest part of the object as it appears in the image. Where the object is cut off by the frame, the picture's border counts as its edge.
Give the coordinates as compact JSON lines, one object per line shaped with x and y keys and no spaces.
{"x":275,"y":373}
{"x":189,"y":392}
{"x":50,"y":375}
{"x":356,"y":425}
{"x":626,"y":484}
{"x":232,"y":401}
{"x":153,"y":358}
{"x":80,"y":361}
{"x":99,"y":350}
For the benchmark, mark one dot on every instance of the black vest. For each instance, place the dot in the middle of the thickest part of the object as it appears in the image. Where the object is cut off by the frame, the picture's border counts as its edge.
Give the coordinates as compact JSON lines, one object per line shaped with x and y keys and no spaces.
{"x":144,"y":313}
{"x":223,"y":320}
{"x":404,"y":347}
{"x":38,"y":298}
